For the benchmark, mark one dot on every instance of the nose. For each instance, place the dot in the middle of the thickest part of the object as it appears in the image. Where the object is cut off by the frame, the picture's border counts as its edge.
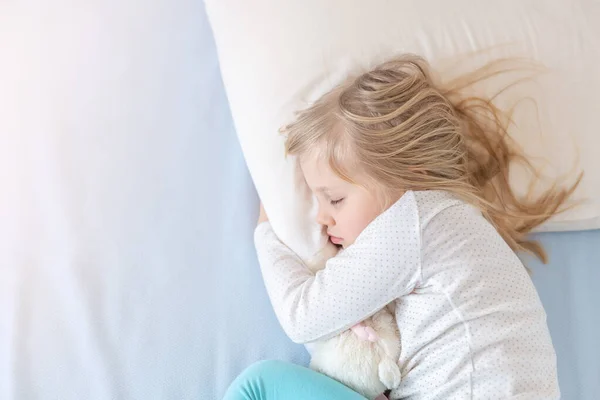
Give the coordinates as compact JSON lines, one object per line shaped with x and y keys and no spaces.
{"x":324,"y":218}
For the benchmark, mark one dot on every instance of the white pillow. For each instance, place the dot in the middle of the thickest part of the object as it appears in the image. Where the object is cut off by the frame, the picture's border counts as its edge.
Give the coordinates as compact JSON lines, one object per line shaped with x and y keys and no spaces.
{"x":277,"y":56}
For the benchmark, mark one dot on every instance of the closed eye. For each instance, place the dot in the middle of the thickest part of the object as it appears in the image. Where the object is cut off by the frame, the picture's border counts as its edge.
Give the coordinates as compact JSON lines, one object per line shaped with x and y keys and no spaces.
{"x":335,"y":202}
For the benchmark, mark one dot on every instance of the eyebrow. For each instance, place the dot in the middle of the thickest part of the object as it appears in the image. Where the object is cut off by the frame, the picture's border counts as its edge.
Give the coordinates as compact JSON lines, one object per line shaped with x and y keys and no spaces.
{"x":322,"y":189}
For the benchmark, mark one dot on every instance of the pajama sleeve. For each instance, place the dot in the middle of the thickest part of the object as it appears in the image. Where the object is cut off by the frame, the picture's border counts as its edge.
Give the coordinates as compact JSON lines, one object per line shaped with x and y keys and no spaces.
{"x":382,"y":265}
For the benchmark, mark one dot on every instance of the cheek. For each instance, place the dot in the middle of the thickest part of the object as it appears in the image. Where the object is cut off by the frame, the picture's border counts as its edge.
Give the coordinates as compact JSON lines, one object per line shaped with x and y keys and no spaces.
{"x":359,"y":219}
{"x":363,"y":221}
{"x":355,"y":224}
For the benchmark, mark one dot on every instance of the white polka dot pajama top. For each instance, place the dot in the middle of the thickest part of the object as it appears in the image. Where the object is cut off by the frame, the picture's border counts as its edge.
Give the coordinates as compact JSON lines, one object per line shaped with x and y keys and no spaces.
{"x":471,"y":323}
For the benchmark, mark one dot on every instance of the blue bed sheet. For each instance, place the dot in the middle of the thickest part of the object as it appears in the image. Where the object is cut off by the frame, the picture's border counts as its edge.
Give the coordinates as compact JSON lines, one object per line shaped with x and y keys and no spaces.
{"x":567,"y":287}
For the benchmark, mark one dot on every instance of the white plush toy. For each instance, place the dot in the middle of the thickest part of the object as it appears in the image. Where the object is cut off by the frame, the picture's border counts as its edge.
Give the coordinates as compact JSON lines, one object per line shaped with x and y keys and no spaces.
{"x":364,"y":358}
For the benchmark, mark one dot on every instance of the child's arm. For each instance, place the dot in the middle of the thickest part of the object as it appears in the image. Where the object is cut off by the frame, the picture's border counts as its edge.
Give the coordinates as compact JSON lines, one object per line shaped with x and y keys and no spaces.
{"x":382,"y":265}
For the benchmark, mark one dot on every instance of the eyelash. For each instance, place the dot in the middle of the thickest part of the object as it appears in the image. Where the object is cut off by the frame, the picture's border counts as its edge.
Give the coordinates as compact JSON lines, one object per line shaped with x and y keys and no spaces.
{"x":336,"y":202}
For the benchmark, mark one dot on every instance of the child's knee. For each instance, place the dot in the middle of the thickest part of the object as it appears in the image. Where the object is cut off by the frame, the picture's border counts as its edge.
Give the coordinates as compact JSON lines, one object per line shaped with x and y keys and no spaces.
{"x":263,"y":367}
{"x":250,"y":384}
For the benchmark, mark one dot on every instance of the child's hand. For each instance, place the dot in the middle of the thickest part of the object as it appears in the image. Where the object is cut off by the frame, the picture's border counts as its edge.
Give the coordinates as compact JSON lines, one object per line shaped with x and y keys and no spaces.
{"x":262,"y":216}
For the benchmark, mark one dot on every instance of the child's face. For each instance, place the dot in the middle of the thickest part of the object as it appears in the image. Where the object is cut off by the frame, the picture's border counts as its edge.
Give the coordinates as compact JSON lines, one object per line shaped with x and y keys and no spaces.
{"x":344,"y":208}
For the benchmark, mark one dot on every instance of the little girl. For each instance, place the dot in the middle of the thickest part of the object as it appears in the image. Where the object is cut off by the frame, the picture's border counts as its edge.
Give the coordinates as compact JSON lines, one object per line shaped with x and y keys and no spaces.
{"x":412,"y":182}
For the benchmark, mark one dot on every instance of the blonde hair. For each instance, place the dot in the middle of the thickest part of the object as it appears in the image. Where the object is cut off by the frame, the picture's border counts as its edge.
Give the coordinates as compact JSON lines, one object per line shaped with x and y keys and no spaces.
{"x":407,"y":133}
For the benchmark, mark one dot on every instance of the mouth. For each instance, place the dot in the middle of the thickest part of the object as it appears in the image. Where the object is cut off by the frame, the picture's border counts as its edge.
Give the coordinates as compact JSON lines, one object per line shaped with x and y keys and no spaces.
{"x":336,"y":240}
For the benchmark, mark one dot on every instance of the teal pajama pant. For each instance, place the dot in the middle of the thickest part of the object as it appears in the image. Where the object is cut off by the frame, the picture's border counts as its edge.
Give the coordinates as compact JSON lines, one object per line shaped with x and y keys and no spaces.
{"x":278,"y":380}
